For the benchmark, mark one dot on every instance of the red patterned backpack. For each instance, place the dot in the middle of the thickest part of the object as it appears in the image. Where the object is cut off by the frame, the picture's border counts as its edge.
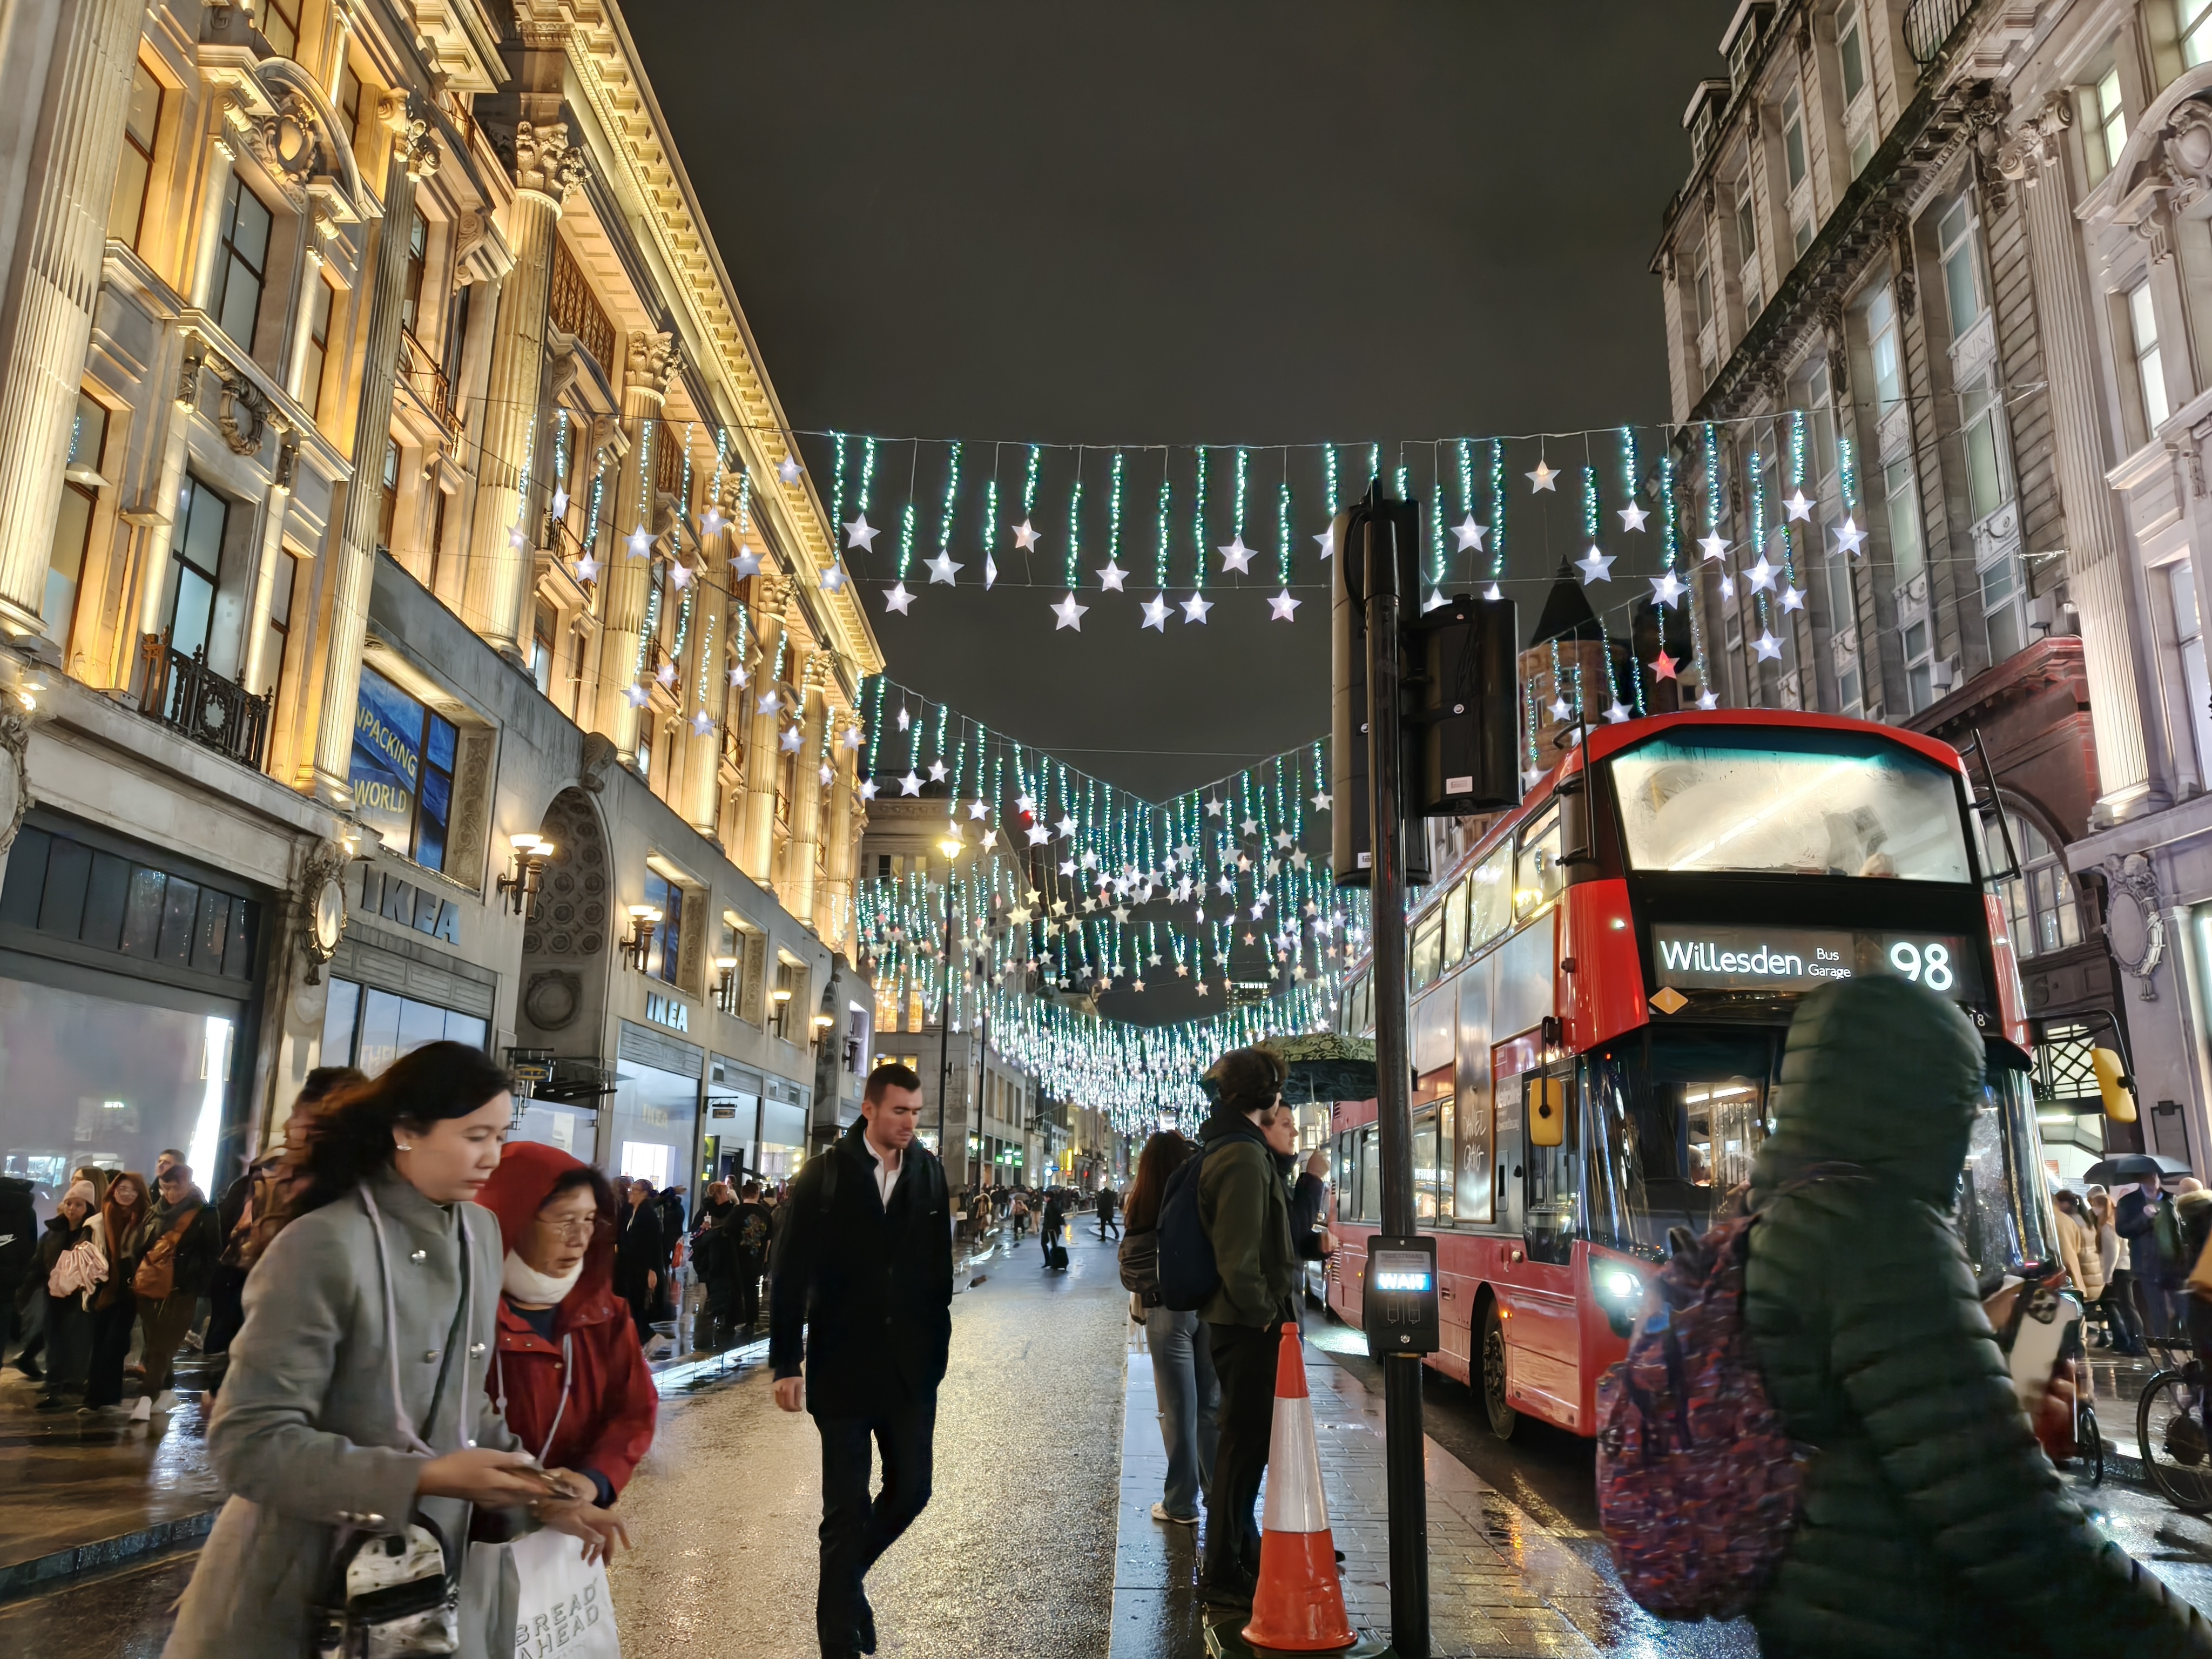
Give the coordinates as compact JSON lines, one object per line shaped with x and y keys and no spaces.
{"x":1698,"y":1483}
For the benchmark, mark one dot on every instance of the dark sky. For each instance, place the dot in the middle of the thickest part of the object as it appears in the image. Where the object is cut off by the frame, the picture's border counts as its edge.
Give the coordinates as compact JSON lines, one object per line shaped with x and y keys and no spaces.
{"x":1143,"y":222}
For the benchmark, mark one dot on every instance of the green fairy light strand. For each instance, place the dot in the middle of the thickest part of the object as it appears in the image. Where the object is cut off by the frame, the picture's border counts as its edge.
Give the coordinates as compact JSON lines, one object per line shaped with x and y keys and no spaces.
{"x":837,"y":483}
{"x":1074,"y":526}
{"x":1496,"y":510}
{"x":1198,"y":520}
{"x":1114,"y":512}
{"x":1329,"y":463}
{"x":951,"y":494}
{"x":1161,"y":545}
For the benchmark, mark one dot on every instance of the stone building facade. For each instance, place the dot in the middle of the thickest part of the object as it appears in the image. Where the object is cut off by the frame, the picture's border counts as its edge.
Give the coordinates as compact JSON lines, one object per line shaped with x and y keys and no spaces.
{"x":388,"y":478}
{"x":1865,"y":333}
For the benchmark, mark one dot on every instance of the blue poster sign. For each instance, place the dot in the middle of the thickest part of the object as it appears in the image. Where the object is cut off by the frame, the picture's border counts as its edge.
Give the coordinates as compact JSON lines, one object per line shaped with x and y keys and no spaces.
{"x":387,"y":758}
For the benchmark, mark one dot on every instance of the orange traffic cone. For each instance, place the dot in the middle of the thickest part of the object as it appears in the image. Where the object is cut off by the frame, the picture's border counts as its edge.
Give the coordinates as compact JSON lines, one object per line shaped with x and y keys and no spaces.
{"x":1298,"y":1605}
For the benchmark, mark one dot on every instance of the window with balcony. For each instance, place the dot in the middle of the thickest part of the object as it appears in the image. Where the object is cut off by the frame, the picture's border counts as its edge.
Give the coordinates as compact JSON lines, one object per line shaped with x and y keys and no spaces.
{"x":73,"y":525}
{"x":1958,"y":249}
{"x":411,"y":293}
{"x":401,"y":771}
{"x":1901,"y":499}
{"x":318,"y":347}
{"x":2044,"y":911}
{"x":2150,"y":367}
{"x":2195,"y":680}
{"x":2194,"y":21}
{"x":142,"y":126}
{"x":195,"y":566}
{"x":2107,"y":124}
{"x":242,"y":264}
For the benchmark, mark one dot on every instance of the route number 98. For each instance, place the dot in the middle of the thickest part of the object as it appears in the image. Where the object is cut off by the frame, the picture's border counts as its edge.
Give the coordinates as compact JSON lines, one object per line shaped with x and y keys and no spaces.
{"x":1929,"y":965}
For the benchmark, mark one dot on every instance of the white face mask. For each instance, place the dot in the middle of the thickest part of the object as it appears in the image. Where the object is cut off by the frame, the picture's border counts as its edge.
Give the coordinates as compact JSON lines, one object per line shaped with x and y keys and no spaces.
{"x":526,"y":1284}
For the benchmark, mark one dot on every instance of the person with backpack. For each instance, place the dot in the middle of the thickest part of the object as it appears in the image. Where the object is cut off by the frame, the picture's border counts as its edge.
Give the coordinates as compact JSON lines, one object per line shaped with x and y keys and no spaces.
{"x":750,"y":1226}
{"x":1928,"y":1522}
{"x":1242,"y":1208}
{"x":1183,"y":1382}
{"x":176,"y":1250}
{"x":860,"y":1301}
{"x":2145,"y":1218}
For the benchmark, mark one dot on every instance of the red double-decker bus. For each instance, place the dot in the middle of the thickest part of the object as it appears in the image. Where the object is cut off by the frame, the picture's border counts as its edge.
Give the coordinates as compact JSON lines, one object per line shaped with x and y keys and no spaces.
{"x":1600,"y":991}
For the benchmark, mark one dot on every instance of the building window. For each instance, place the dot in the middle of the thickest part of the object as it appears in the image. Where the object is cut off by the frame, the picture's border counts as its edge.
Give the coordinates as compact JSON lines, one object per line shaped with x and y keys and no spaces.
{"x":1850,"y":50}
{"x":369,"y":1027}
{"x":1847,"y":690}
{"x":73,"y":525}
{"x":348,"y":103}
{"x":663,"y":944}
{"x":403,"y":770}
{"x":1919,"y":667}
{"x":1793,"y":137}
{"x":2109,"y":119}
{"x":2197,"y":681}
{"x":126,"y":204}
{"x":1746,"y":242}
{"x":243,"y":263}
{"x":410,"y":302}
{"x":278,"y":638}
{"x":1904,"y":504}
{"x":2040,"y":900}
{"x":196,"y":566}
{"x":1801,"y":237}
{"x":1881,"y":347}
{"x":2195,"y":18}
{"x":541,"y":649}
{"x":2150,"y":369}
{"x":279,"y":26}
{"x":387,"y":495}
{"x":456,"y":339}
{"x":2002,"y":594}
{"x":644,"y":752}
{"x":1960,"y":254}
{"x":1979,"y":408}
{"x":784,"y":1014}
{"x":319,"y":346}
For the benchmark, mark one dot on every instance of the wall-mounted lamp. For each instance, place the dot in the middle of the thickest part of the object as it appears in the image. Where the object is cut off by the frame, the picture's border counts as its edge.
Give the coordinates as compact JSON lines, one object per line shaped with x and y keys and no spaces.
{"x":643,"y":919}
{"x":726,"y":984}
{"x":821,"y":1024}
{"x":781,"y":993}
{"x":531,"y":854}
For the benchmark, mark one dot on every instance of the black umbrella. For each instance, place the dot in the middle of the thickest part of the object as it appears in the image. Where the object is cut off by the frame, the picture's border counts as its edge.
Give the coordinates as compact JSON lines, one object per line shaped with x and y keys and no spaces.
{"x":2134,"y":1166}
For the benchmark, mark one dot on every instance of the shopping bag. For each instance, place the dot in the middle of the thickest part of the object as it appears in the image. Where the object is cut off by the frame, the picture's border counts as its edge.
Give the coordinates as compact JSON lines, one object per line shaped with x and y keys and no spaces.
{"x":561,"y":1608}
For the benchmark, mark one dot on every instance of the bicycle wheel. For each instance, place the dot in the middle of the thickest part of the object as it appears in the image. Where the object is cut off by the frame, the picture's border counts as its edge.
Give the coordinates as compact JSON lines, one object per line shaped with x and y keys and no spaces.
{"x":2171,"y":1434}
{"x":2089,"y":1445}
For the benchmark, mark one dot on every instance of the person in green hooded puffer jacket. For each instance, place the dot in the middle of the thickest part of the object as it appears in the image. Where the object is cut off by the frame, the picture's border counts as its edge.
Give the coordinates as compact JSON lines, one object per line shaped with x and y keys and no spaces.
{"x":1932,"y":1522}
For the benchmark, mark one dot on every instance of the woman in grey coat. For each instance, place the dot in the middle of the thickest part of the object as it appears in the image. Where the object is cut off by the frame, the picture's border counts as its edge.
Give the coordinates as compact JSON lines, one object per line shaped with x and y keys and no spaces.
{"x":355,"y":1398}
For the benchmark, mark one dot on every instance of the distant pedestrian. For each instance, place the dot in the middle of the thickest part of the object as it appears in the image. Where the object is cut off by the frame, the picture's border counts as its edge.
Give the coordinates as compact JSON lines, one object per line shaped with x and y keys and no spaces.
{"x":862,"y":1296}
{"x":2145,"y":1218}
{"x":640,"y":1259}
{"x":354,"y":1400}
{"x":1055,"y":1219}
{"x":176,"y":1252}
{"x":1021,"y":1214}
{"x":70,"y":1263}
{"x":2124,"y":1334}
{"x":1183,"y":1383}
{"x":113,"y":1310}
{"x":1244,"y":1204}
{"x":1108,"y":1198}
{"x":752,"y":1225}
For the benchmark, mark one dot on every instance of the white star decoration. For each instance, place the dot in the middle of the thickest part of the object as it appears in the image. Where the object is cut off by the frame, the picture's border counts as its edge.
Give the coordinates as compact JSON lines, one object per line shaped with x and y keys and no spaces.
{"x":1849,"y":538}
{"x":1596,"y":566}
{"x":1321,"y":800}
{"x":1156,"y":613}
{"x":1195,"y":607}
{"x":707,"y":526}
{"x":1767,"y":648}
{"x":637,"y":696}
{"x":792,"y":740}
{"x":517,"y":540}
{"x":832,"y":579}
{"x":897,"y":599}
{"x":1327,"y":541}
{"x":702,"y":723}
{"x":639,"y":544}
{"x":769,"y":703}
{"x":851,"y":739}
{"x":1633,"y":517}
{"x":1792,"y":600}
{"x":740,"y":679}
{"x":990,"y":572}
{"x":1714,"y":546}
{"x":587,"y":569}
{"x":1762,"y":575}
{"x":1070,"y":614}
{"x":1110,"y":577}
{"x":667,"y":676}
{"x":942,"y":569}
{"x":1617,"y":714}
{"x":680,"y":576}
{"x":1435,"y":601}
{"x":1235,"y":556}
{"x":1543,"y":477}
{"x":1799,"y":508}
{"x":1493,"y":593}
{"x":1282,"y":607}
{"x":860,"y":534}
{"x":1470,"y":534}
{"x":1707,"y":700}
{"x":561,"y":503}
{"x":937,"y":771}
{"x":1667,"y":589}
{"x":1025,"y":537}
{"x":747,"y":563}
{"x":911,"y":783}
{"x":789,"y":468}
{"x":1728,"y":587}
{"x":868,"y":789}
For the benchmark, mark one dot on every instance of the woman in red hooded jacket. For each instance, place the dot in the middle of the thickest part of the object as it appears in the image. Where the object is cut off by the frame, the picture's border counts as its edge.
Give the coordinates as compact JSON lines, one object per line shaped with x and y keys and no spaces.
{"x":568,"y":1373}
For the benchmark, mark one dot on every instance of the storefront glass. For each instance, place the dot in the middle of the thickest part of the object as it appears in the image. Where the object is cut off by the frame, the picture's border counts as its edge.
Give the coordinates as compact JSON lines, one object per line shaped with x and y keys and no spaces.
{"x":655,"y":1122}
{"x":365,"y":1027}
{"x":573,"y":1129}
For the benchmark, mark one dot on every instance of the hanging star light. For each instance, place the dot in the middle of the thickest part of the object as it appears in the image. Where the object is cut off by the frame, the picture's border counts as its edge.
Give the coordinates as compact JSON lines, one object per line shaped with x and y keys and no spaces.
{"x":1728,"y":587}
{"x":1284,"y":608}
{"x":637,"y":697}
{"x":666,"y":674}
{"x":1799,"y":508}
{"x":1596,"y":566}
{"x":1195,"y":607}
{"x":1633,"y":517}
{"x":1714,"y":546}
{"x":990,"y":572}
{"x":747,"y":563}
{"x":789,"y":468}
{"x":679,"y":576}
{"x":587,"y":568}
{"x":1070,"y":614}
{"x":1025,"y":537}
{"x":827,"y":773}
{"x":1235,"y":556}
{"x":1321,"y":801}
{"x":1761,"y":575}
{"x":1707,"y":700}
{"x":911,"y":783}
{"x":1544,"y":477}
{"x":560,"y":502}
{"x":1327,"y":541}
{"x":860,"y":534}
{"x":517,"y":540}
{"x":1667,"y":589}
{"x":1435,"y":601}
{"x":1470,"y":535}
{"x":832,"y":579}
{"x":708,"y":526}
{"x":1849,"y":538}
{"x":1768,"y":647}
{"x":936,"y":770}
{"x":702,"y":723}
{"x":896,"y":598}
{"x":905,"y":719}
{"x":1156,"y":613}
{"x":1559,"y":709}
{"x":1792,"y":598}
{"x":867,"y":789}
{"x":943,"y":569}
{"x":851,"y":739}
{"x":1663,"y":667}
{"x":1616,"y":715}
{"x":639,"y":542}
{"x":791,"y":740}
{"x":740,"y":679}
{"x":1493,"y":593}
{"x":1110,"y":577}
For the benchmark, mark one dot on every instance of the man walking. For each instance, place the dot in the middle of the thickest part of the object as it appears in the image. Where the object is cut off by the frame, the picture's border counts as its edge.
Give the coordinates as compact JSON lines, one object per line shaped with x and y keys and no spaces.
{"x":1107,"y":1200}
{"x":1244,"y":1208}
{"x":862,"y":1292}
{"x":748,"y":1232}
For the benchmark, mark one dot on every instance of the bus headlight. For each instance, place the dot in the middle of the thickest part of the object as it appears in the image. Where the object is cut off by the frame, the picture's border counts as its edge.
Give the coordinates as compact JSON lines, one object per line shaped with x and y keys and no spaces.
{"x":1619,"y":1291}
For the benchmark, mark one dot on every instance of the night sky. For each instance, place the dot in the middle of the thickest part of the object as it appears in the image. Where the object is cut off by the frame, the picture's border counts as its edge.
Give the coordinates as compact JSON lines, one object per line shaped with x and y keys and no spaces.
{"x":1151,"y":223}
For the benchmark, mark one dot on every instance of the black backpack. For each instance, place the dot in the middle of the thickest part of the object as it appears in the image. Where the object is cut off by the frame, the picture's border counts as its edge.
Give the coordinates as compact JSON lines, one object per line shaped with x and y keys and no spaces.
{"x":1185,"y":1271}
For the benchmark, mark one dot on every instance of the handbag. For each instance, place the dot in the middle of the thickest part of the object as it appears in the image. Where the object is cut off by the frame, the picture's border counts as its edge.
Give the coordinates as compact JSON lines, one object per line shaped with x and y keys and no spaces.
{"x":157,"y":1269}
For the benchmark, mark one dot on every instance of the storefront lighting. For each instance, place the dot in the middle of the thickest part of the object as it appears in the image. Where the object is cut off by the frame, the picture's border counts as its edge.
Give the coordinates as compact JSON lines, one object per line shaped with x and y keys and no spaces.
{"x":643,"y":919}
{"x":532,"y":853}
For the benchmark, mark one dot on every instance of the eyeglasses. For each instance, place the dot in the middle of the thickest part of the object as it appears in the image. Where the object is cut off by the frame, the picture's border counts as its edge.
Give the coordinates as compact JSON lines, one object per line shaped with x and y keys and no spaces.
{"x":581,"y":1228}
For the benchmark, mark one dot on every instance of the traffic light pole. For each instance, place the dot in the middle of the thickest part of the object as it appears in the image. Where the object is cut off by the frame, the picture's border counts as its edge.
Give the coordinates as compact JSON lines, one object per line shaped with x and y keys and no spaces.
{"x":1402,"y":1373}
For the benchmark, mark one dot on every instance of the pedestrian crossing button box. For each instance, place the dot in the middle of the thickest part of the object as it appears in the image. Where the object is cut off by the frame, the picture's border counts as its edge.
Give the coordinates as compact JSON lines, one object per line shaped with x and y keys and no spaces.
{"x":1398,"y":1297}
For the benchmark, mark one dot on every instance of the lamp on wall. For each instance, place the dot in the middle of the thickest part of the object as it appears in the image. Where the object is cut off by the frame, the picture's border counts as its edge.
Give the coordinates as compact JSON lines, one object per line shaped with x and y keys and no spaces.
{"x":643,"y":919}
{"x":531,"y":854}
{"x":726,"y":983}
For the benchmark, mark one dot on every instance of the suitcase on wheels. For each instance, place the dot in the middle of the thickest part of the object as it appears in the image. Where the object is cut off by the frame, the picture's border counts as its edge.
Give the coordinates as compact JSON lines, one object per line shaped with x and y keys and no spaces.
{"x":1058,"y":1262}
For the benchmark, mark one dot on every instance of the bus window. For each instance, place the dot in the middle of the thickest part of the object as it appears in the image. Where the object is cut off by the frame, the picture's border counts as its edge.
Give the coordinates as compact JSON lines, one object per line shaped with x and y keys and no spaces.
{"x":1347,"y":1185}
{"x":1438,"y":1173}
{"x":1553,"y":1212}
{"x":1538,"y":878}
{"x":1371,"y":1177}
{"x":1424,"y":1165}
{"x":1455,"y":924}
{"x":1489,"y":906}
{"x":1673,"y":1128}
{"x":1428,"y":939}
{"x":2004,"y":1207}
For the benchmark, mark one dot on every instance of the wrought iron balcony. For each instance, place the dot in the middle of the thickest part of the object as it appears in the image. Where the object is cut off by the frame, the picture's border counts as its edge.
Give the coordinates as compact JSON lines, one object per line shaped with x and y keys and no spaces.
{"x":183,"y":694}
{"x":1929,"y":25}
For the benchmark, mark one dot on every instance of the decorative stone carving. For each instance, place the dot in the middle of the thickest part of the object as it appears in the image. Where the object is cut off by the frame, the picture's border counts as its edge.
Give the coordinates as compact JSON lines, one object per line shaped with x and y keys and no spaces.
{"x":653,"y":360}
{"x":2035,"y":144}
{"x":322,"y":905}
{"x":287,"y":473}
{"x":546,"y":162}
{"x":242,"y":414}
{"x":591,"y":768}
{"x":552,"y":998}
{"x":15,"y":774}
{"x":288,"y":141}
{"x":2135,"y":925}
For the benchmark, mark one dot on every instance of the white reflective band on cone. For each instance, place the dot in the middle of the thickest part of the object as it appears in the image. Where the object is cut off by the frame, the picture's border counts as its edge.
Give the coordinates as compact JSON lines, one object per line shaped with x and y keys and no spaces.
{"x":1294,"y":1502}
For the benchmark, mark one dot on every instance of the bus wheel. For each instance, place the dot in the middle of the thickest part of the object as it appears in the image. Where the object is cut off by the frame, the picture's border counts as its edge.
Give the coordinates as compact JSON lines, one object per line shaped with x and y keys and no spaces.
{"x":1503,"y":1417}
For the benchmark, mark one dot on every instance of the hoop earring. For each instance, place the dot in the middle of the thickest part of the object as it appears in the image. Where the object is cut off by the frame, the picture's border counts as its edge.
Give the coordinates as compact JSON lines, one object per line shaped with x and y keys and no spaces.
{"x":403,"y":1145}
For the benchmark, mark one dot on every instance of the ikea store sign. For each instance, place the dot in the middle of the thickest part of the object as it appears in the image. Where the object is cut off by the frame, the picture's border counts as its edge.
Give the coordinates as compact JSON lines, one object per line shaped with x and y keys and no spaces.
{"x":1803,"y":958}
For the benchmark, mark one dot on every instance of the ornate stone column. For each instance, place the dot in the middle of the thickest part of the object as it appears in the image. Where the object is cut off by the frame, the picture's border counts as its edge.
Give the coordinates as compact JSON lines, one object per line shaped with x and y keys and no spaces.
{"x":756,"y":852}
{"x":54,"y":287}
{"x":2096,"y":577}
{"x":501,"y":548}
{"x":833,"y":910}
{"x":707,"y":688}
{"x":628,"y":577}
{"x":799,"y":886}
{"x":350,"y":565}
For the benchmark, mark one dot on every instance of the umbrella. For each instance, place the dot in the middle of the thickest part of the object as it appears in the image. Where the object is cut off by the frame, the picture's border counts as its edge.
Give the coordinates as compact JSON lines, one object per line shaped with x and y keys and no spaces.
{"x":2134,"y":1166}
{"x":1322,"y":1067}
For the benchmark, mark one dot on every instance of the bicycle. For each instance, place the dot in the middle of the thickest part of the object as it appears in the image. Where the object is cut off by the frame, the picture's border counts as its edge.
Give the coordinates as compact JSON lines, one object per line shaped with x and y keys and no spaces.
{"x":2170,"y":1429}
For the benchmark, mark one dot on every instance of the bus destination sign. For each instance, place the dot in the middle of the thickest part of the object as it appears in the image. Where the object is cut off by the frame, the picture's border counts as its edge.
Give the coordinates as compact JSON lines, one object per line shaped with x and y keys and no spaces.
{"x":1695,"y":958}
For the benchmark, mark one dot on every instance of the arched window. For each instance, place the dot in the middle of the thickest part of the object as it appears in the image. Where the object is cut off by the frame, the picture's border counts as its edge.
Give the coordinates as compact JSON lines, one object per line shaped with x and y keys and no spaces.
{"x":2044,"y":910}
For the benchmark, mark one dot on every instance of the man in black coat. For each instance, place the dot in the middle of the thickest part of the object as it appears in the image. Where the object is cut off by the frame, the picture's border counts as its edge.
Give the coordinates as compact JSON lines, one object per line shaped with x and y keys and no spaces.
{"x":19,"y":1250}
{"x":861,"y":1291}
